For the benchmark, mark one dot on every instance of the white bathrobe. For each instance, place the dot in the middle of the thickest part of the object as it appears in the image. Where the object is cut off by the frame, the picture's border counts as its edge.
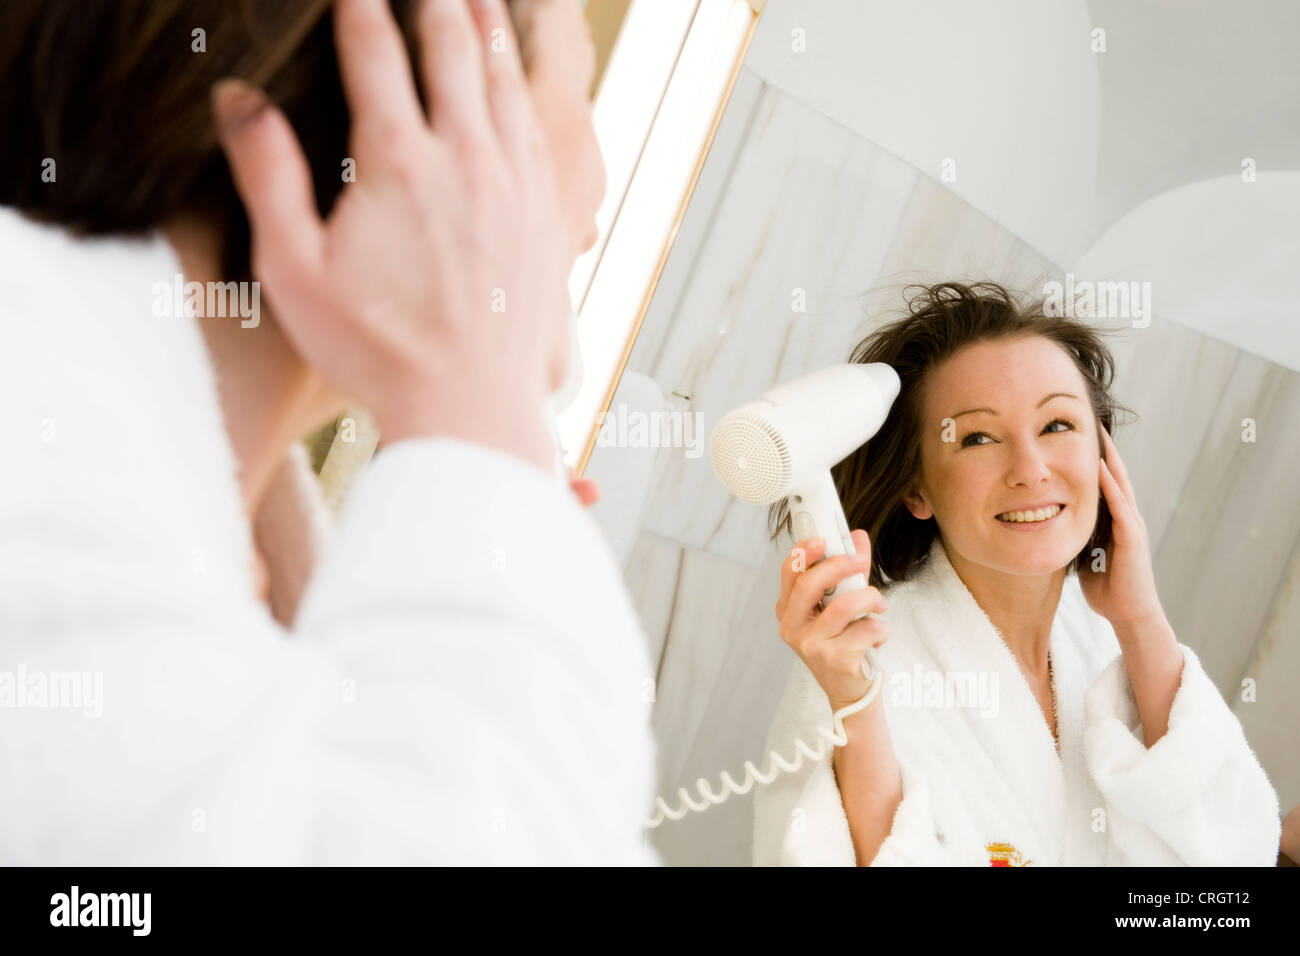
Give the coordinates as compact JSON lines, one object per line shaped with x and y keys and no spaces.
{"x":983,"y":784}
{"x":463,"y":681}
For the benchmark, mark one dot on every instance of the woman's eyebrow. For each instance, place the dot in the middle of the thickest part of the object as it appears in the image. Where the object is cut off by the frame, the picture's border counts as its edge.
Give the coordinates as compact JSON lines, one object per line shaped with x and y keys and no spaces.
{"x":1039,"y":405}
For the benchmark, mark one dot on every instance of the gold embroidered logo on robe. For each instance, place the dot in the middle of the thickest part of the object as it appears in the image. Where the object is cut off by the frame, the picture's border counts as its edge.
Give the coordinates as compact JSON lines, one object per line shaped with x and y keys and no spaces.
{"x":1004,"y":854}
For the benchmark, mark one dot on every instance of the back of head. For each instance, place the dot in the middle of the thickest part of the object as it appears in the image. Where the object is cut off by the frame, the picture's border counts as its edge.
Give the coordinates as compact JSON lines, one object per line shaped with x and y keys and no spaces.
{"x":106,"y":110}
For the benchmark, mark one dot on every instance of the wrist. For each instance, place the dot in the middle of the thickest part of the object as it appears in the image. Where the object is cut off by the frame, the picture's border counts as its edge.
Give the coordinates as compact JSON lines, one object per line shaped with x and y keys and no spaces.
{"x":505,"y":421}
{"x":1132,"y":631}
{"x":869,"y":742}
{"x":867,"y":724}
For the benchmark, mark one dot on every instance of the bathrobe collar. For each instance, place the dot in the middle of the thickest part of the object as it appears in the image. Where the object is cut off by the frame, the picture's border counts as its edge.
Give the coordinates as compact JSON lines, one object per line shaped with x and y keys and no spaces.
{"x":963,"y":640}
{"x":292,"y":526}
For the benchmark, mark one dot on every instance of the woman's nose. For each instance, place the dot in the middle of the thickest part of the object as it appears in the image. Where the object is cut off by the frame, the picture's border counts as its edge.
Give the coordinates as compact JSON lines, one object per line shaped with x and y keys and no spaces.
{"x":1028,"y":464}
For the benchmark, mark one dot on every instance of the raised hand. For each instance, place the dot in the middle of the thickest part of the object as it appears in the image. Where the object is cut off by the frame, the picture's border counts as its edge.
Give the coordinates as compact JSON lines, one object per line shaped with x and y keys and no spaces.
{"x":435,"y":292}
{"x":831,"y":642}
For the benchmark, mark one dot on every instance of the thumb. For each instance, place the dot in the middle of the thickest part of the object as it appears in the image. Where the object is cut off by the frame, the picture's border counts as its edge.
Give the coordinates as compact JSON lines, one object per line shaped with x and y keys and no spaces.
{"x":270,"y":173}
{"x":862,"y":543}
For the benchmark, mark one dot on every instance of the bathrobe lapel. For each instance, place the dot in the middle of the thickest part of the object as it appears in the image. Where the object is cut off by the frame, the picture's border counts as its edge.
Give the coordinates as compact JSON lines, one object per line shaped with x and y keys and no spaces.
{"x":1082,"y":645}
{"x":962,"y":639}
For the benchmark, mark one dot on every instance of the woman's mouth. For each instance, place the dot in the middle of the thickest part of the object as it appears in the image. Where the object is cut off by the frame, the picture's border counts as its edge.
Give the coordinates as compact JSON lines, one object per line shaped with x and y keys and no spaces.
{"x":1030,"y":520}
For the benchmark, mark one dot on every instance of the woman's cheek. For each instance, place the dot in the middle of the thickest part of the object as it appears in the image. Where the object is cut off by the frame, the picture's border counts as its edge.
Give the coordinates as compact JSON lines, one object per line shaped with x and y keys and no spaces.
{"x":1088,"y":500}
{"x":963,"y":491}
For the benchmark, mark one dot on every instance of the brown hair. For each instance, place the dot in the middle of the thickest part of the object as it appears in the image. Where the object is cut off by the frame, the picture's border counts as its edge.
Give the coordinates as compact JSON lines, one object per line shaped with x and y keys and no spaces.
{"x":943,"y":319}
{"x":117,"y":94}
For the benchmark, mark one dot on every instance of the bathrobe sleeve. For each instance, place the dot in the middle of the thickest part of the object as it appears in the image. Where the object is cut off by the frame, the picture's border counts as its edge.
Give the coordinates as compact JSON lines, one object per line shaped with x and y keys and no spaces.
{"x":466,"y":681}
{"x":799,"y":818}
{"x":476,"y":606}
{"x":1198,"y":796}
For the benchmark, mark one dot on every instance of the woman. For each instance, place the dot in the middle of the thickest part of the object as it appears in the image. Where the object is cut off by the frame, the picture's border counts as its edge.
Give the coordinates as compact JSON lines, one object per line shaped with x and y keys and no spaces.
{"x":1036,"y":706}
{"x":420,"y":692}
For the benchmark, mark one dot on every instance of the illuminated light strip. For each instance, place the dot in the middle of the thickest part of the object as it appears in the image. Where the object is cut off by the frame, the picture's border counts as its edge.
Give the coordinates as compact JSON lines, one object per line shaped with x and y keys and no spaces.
{"x":651,"y":181}
{"x":631,"y":91}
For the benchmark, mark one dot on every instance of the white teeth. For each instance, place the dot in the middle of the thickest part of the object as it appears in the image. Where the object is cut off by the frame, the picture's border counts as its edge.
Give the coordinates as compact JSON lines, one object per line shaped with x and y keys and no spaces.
{"x":1042,"y":514}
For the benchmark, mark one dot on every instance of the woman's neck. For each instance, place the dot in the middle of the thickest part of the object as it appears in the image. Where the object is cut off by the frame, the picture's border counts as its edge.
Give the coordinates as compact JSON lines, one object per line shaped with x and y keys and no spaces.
{"x":1022,"y":608}
{"x":269,"y":396}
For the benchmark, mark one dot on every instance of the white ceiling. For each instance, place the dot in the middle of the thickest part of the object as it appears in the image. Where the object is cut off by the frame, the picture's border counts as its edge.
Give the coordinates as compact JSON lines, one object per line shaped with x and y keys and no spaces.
{"x":1189,"y":88}
{"x":1117,"y":164}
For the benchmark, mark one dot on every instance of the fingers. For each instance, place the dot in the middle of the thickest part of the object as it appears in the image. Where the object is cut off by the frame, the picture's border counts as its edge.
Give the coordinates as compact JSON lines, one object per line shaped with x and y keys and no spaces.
{"x":1119,"y":492}
{"x":374,"y":67}
{"x":805,"y":554}
{"x":843,"y":654}
{"x":861,"y":543}
{"x":811,"y":586}
{"x":1115,"y":464}
{"x":813,"y":583}
{"x":859,"y":635}
{"x":1120,"y":510}
{"x":847,"y":608}
{"x":451,"y":64}
{"x":271,"y":175}
{"x":801,"y":557}
{"x":507,"y":91}
{"x":588,"y":491}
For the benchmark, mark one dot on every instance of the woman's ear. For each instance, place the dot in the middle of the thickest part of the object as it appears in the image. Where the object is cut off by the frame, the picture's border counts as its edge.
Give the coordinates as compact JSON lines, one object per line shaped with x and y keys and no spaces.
{"x":916,"y":503}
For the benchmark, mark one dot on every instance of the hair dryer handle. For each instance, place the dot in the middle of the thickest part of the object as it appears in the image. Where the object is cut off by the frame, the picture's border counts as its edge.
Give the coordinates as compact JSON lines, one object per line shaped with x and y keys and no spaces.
{"x":816,"y":512}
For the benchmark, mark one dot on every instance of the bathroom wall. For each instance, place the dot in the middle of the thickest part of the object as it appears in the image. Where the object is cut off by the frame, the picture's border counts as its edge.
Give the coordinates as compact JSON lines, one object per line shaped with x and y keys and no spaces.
{"x":801,"y":234}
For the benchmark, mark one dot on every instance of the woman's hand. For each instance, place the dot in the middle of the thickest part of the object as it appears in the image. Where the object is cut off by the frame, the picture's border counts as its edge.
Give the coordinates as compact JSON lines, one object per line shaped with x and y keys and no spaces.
{"x":586,"y":489}
{"x":435,"y":292}
{"x":1124,"y":593}
{"x":830,"y":642}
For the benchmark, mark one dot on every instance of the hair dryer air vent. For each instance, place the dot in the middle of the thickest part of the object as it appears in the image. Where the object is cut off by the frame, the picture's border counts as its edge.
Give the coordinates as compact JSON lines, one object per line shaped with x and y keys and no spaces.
{"x":751,"y":458}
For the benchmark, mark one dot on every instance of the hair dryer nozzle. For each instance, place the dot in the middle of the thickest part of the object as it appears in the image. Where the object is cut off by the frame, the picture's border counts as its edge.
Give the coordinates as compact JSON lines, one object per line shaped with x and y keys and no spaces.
{"x":763,"y":448}
{"x":750,"y":457}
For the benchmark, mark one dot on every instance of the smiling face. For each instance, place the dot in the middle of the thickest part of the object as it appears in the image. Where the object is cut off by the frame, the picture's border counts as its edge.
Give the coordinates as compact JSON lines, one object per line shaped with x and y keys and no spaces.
{"x":561,"y":60}
{"x":1021,"y":435}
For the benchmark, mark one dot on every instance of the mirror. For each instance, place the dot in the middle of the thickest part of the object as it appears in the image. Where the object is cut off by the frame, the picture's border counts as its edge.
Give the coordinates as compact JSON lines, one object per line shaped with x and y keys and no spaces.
{"x":866,"y":146}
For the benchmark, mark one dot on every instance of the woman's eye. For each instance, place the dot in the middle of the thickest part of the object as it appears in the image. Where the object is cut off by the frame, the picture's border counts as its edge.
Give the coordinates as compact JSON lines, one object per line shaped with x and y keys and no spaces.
{"x":968,"y":441}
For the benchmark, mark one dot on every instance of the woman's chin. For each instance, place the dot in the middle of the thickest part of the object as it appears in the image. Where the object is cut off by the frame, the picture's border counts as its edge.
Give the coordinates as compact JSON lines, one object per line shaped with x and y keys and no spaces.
{"x":1032,"y":555}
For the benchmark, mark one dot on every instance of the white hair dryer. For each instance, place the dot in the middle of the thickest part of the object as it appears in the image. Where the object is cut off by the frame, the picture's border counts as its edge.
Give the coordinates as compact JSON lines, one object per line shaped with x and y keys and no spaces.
{"x":783,"y":446}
